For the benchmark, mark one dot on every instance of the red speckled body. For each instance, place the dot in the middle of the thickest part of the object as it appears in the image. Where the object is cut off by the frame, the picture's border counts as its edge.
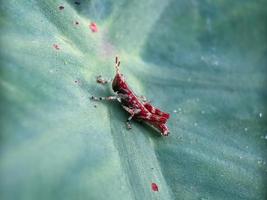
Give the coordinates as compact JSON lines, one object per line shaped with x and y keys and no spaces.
{"x":136,"y":107}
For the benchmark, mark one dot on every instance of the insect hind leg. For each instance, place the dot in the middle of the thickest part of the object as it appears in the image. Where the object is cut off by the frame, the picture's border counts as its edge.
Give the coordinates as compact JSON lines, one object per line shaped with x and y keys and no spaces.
{"x":156,"y":111}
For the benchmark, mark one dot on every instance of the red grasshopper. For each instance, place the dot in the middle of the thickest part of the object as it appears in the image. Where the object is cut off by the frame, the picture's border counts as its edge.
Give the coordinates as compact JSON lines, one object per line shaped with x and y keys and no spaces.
{"x":138,"y":108}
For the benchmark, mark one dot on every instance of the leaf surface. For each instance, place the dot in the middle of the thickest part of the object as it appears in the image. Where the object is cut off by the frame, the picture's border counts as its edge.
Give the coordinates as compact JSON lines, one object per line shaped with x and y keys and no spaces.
{"x":202,"y":61}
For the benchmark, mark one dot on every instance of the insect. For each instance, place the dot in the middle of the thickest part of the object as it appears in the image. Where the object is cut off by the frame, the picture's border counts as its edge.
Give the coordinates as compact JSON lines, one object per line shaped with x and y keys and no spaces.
{"x":138,"y":107}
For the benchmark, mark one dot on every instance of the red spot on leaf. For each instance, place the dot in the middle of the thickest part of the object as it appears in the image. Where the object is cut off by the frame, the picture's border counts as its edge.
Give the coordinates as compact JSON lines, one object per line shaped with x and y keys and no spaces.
{"x":93,"y":27}
{"x":154,"y":187}
{"x":56,"y":46}
{"x":61,"y":7}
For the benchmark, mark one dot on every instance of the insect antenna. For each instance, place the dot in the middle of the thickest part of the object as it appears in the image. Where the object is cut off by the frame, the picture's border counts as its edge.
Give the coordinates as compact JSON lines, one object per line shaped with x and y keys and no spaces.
{"x":117,"y":64}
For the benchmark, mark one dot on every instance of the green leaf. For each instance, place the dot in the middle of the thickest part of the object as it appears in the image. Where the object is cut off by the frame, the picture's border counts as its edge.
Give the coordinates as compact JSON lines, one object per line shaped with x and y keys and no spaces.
{"x":205,"y":62}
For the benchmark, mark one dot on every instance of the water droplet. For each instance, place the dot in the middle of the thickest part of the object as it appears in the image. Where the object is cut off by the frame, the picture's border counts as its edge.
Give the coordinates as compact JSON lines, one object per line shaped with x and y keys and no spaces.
{"x":179,"y":109}
{"x":246,"y":147}
{"x":195,"y":124}
{"x":246,"y":129}
{"x":216,"y":62}
{"x":260,"y":115}
{"x":202,"y":111}
{"x":175,"y":111}
{"x":259,"y":162}
{"x":61,"y":7}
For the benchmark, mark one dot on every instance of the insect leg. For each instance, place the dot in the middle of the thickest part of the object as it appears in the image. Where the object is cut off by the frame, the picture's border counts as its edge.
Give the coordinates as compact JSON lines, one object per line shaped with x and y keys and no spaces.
{"x":156,"y":111}
{"x":132,"y":112}
{"x":109,"y":98}
{"x":161,"y":127}
{"x":164,"y":129}
{"x":117,"y":64}
{"x":153,"y":118}
{"x":128,"y":124}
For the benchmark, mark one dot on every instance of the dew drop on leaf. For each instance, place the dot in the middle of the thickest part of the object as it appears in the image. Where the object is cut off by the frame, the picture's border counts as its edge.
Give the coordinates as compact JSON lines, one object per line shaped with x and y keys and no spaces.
{"x":216,"y":63}
{"x":260,"y":162}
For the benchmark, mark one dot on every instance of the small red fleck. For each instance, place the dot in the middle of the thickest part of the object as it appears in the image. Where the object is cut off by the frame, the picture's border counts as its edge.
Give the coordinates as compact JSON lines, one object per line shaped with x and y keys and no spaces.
{"x":154,"y":187}
{"x":61,"y":7}
{"x":93,"y":27}
{"x":56,"y":46}
{"x":77,"y":23}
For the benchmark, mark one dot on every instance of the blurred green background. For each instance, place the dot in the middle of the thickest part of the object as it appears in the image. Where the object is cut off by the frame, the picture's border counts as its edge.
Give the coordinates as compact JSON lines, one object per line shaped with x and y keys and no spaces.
{"x":203,"y":61}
